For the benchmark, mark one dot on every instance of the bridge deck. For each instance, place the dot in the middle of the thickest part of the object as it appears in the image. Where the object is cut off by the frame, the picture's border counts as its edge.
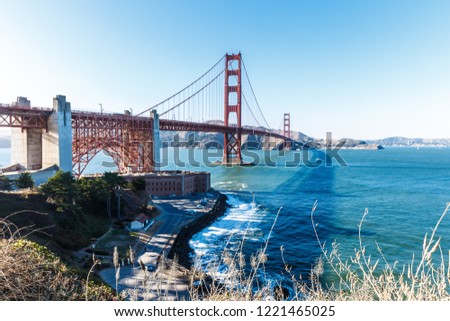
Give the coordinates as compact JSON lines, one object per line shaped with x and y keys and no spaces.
{"x":23,"y":117}
{"x":36,"y":117}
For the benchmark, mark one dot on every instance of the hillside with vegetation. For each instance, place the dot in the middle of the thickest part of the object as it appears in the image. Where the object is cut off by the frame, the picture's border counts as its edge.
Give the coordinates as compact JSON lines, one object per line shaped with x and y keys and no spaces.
{"x":64,"y":212}
{"x":44,"y":228}
{"x":30,"y":272}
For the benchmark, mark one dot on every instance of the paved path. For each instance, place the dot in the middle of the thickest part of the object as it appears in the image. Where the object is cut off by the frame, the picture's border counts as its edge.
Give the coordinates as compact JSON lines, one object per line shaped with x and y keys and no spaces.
{"x":168,"y":283}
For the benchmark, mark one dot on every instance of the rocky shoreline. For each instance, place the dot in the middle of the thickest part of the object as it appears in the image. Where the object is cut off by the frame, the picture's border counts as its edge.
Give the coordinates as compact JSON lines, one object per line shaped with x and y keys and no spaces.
{"x":181,"y":246}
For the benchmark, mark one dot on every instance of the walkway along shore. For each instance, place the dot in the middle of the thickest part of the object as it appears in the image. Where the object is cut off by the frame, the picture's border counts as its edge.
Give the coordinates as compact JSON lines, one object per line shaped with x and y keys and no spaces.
{"x":179,"y":224}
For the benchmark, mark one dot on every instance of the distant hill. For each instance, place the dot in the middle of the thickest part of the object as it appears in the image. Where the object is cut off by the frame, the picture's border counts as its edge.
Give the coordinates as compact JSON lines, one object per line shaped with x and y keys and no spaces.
{"x":411,"y":142}
{"x":205,"y":140}
{"x":388,"y":142}
{"x":5,"y":142}
{"x":348,"y":143}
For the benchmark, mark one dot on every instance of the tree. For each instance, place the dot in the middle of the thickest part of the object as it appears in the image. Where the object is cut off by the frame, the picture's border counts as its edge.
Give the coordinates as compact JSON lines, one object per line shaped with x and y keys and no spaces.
{"x":137,"y":184}
{"x":5,"y":183}
{"x":92,"y":193}
{"x":60,"y":190}
{"x":25,"y":180}
{"x":113,"y":180}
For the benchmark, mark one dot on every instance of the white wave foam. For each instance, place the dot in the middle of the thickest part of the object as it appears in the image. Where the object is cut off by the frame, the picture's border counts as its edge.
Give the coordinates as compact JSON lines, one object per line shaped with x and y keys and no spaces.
{"x":231,"y":185}
{"x":241,"y":223}
{"x":215,"y":231}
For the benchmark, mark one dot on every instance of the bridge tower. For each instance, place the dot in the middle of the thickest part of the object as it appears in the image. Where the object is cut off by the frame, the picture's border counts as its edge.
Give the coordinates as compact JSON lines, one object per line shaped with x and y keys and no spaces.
{"x":232,"y":109}
{"x":287,"y":129}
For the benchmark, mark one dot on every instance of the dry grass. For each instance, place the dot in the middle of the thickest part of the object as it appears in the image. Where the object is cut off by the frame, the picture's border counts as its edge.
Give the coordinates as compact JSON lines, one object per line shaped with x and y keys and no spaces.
{"x":361,"y":278}
{"x":29,"y":272}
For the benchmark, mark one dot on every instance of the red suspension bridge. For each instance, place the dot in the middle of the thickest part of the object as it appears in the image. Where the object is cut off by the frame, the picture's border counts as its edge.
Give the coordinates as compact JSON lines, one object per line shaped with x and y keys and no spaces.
{"x":222,"y":100}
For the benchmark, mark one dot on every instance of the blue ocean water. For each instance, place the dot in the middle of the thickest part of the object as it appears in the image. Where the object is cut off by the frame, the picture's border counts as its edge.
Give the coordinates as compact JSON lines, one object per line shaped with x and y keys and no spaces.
{"x":405,"y":191}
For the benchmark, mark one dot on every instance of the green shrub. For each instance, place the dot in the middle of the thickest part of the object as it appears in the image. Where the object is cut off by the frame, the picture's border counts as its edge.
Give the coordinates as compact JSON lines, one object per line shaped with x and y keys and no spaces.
{"x":5,"y":183}
{"x":60,"y":189}
{"x":25,"y":180}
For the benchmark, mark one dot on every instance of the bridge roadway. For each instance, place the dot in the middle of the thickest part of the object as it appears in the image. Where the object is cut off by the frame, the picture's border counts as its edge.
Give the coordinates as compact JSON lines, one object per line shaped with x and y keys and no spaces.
{"x":23,"y":117}
{"x":176,"y":125}
{"x":36,"y":117}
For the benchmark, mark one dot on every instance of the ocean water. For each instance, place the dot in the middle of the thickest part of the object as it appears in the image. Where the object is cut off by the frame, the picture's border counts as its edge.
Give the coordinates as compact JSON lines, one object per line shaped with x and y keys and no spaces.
{"x":405,"y":191}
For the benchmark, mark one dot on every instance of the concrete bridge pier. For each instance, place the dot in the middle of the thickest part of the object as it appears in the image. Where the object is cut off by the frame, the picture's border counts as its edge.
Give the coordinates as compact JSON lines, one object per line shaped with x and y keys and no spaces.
{"x":57,"y":140}
{"x":26,"y":143}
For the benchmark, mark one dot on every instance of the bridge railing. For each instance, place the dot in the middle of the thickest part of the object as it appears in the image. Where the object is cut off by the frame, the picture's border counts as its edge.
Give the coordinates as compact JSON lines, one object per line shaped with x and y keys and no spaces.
{"x":24,"y":108}
{"x":97,"y":114}
{"x":91,"y":111}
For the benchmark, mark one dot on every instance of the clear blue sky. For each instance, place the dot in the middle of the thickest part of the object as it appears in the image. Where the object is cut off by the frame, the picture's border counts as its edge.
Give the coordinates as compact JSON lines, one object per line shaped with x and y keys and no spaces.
{"x":360,"y":69}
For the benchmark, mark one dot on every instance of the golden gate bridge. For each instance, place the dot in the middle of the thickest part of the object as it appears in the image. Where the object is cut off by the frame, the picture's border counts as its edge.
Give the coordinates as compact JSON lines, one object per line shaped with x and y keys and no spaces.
{"x":222,"y":100}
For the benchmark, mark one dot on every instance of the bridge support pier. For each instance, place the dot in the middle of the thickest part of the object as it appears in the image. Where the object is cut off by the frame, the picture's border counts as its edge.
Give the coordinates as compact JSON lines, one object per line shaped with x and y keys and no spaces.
{"x":57,"y":140}
{"x":35,"y":148}
{"x":26,"y":143}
